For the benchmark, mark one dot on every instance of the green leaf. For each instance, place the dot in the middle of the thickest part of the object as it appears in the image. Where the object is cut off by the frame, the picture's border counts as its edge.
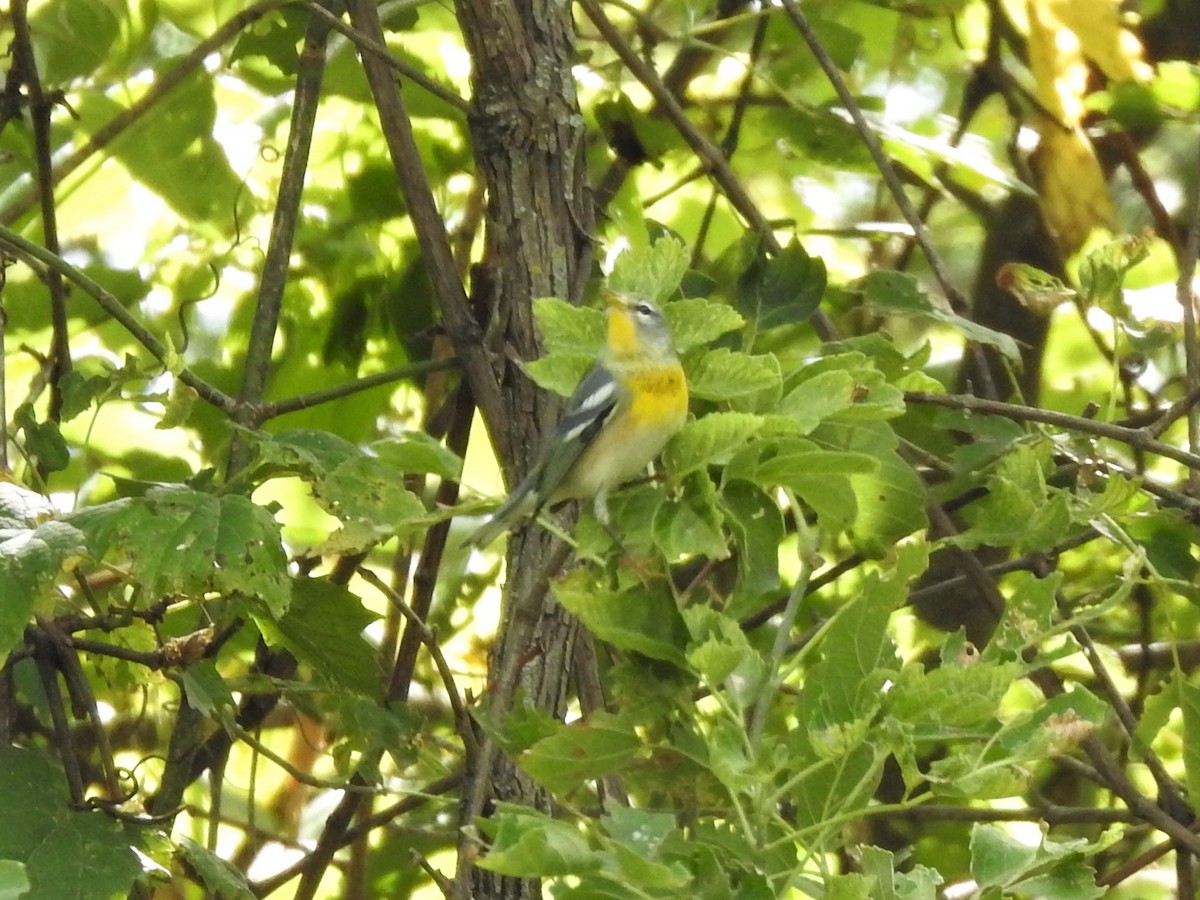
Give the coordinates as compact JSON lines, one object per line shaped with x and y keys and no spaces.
{"x":690,"y":525}
{"x":709,"y":441}
{"x":32,"y":553}
{"x":719,"y":651}
{"x":1102,"y":274}
{"x":207,"y":691}
{"x":817,"y":398}
{"x":890,"y":498}
{"x":372,"y":503}
{"x":916,"y":883}
{"x":1189,"y":705}
{"x":14,"y":880}
{"x":696,"y":322}
{"x":1020,"y":508}
{"x":521,"y":726}
{"x":756,"y":524}
{"x":581,"y":752}
{"x":364,"y":491}
{"x":1052,"y":869}
{"x":276,"y":39}
{"x":220,"y":877}
{"x":899,"y":294}
{"x":48,"y":831}
{"x":418,"y":452}
{"x":560,"y":373}
{"x":73,"y":40}
{"x":323,"y":627}
{"x":178,"y":137}
{"x":653,"y":271}
{"x":568,"y":329}
{"x":639,"y":619}
{"x":784,"y":289}
{"x":962,"y":695}
{"x":186,"y":542}
{"x":178,"y":406}
{"x":637,"y":839}
{"x":529,"y":845}
{"x":43,"y":440}
{"x":723,"y":374}
{"x":857,"y":655}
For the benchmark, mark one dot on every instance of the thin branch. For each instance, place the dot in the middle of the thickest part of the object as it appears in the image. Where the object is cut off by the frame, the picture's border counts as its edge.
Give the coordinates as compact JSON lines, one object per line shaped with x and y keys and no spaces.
{"x":1168,"y":789}
{"x":385,"y":816}
{"x":40,"y":106}
{"x":113,"y":307}
{"x":522,"y":624}
{"x":1137,"y":438}
{"x":381,"y":52}
{"x":327,"y":395}
{"x":882,"y":163}
{"x":170,"y":79}
{"x":705,"y":149}
{"x":428,"y":637}
{"x":1050,"y":814}
{"x":273,"y":278}
{"x":1161,"y":421}
{"x":427,"y":220}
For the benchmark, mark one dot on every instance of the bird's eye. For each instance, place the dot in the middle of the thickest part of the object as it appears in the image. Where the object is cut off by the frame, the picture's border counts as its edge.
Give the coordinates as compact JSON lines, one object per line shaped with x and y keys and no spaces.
{"x":645,"y":309}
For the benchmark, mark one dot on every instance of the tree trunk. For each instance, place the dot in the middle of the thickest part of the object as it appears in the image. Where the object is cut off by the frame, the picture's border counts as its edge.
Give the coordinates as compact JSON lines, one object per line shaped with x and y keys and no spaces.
{"x":528,"y":135}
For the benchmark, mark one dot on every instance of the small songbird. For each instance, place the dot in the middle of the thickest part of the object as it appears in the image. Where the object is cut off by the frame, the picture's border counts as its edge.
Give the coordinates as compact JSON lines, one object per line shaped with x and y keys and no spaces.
{"x":622,"y":414}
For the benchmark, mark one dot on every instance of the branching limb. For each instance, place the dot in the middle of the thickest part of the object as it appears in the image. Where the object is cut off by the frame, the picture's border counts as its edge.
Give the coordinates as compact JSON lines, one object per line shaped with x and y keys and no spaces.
{"x":273,"y":279}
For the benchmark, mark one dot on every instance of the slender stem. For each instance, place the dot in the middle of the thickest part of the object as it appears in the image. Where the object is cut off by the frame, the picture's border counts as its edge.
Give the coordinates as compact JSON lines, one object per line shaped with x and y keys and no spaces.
{"x":113,"y":307}
{"x":708,"y":152}
{"x":283,"y":233}
{"x":428,"y":637}
{"x":25,"y":63}
{"x":22,"y":202}
{"x":381,"y":52}
{"x":427,"y":221}
{"x":337,"y":392}
{"x":1137,"y":438}
{"x":807,"y":550}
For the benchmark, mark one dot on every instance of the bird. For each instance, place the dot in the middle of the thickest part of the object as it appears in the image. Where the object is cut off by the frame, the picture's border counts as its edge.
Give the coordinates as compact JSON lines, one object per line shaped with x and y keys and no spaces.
{"x":626,"y":408}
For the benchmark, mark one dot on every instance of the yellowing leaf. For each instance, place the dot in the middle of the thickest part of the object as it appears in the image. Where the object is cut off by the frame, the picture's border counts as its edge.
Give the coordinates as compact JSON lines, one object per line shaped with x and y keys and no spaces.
{"x":1115,"y":50}
{"x":1074,"y":194}
{"x":1056,"y":60}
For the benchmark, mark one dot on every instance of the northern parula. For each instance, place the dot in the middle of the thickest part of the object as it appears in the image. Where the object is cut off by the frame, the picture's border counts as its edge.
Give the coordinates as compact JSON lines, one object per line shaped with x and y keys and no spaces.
{"x":618,"y":419}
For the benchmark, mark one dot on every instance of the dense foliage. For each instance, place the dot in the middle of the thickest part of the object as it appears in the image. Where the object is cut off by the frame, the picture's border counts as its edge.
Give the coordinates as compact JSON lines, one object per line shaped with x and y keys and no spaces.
{"x":909,"y":605}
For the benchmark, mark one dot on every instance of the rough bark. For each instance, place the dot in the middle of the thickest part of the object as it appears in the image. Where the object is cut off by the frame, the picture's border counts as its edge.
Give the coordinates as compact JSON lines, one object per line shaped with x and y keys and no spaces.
{"x":528,"y":135}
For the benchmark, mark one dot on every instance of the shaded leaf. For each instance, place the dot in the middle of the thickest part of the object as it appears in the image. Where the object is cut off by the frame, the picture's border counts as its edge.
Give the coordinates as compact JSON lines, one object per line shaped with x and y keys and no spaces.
{"x":48,"y":831}
{"x":580,"y":752}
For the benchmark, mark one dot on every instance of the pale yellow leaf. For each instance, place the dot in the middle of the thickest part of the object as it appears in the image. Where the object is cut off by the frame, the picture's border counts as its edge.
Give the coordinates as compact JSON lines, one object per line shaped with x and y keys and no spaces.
{"x":1073,"y":193}
{"x":1114,"y":49}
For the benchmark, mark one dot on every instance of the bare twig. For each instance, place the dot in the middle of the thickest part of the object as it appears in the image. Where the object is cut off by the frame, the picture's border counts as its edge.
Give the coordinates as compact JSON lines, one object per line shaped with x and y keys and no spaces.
{"x":283,"y":233}
{"x":428,"y":637}
{"x":113,"y":307}
{"x":385,"y":816}
{"x":25,"y":63}
{"x":1137,"y":438}
{"x":427,"y":220}
{"x":709,"y":153}
{"x":381,"y":52}
{"x":168,"y":81}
